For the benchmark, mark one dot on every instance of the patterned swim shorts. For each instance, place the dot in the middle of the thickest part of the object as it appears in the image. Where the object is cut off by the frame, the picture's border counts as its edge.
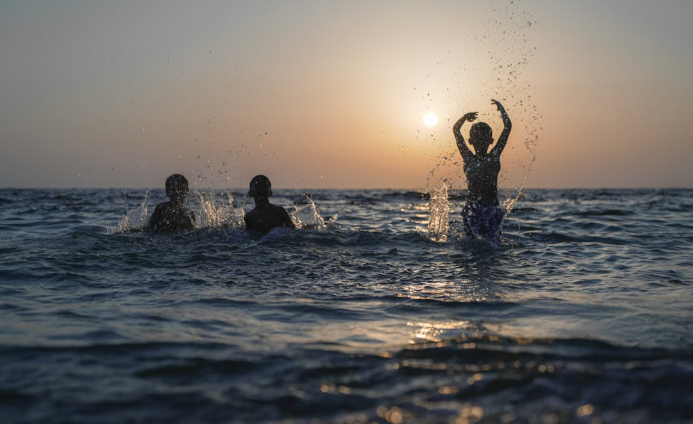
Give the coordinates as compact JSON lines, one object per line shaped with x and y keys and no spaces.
{"x":483,"y":222}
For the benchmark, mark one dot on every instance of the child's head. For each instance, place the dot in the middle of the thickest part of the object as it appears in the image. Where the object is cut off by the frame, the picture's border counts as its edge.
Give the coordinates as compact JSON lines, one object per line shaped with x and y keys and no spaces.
{"x":481,"y":137}
{"x":177,"y":187}
{"x":260,"y":187}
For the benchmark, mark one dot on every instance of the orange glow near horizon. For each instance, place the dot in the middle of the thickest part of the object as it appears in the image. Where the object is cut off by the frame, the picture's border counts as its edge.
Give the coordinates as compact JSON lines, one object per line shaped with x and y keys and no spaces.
{"x":330,"y":95}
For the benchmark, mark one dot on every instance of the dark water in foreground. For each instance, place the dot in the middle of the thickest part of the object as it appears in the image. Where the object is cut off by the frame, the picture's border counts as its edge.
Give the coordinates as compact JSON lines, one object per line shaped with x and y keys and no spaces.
{"x":584,"y":313}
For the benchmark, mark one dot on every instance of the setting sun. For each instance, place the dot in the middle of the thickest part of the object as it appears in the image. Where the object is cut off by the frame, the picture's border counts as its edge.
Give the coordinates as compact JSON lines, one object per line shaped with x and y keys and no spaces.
{"x":430,"y":119}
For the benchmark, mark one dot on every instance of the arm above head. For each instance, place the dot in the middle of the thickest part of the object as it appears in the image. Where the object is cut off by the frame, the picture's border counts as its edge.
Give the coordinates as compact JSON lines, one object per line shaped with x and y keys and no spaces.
{"x":508,"y":125}
{"x":461,"y":144}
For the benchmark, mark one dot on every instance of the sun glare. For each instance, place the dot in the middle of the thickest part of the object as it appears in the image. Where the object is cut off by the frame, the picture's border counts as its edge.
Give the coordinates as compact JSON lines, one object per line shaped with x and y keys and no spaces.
{"x":430,"y":119}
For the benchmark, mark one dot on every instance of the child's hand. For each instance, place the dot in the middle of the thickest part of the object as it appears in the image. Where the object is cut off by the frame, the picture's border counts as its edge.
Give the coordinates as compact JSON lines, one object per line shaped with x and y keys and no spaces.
{"x":471,"y":116}
{"x":497,"y":103}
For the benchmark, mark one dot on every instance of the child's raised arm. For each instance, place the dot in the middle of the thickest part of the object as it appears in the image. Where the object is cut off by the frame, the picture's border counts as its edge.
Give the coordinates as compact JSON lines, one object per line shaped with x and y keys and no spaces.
{"x":503,"y":139}
{"x":461,"y":144}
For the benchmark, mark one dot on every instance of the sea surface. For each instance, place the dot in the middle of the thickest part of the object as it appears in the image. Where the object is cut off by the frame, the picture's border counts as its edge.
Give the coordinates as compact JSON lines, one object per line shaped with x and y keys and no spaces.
{"x":582,"y":313}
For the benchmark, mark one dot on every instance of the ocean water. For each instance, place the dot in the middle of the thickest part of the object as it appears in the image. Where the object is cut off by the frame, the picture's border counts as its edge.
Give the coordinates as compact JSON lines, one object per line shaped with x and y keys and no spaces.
{"x":583,"y":313}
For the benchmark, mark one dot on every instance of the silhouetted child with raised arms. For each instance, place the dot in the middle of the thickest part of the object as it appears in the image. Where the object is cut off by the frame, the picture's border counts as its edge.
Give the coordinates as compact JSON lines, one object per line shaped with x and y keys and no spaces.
{"x":265,"y":216}
{"x":173,"y":215}
{"x":481,"y":214}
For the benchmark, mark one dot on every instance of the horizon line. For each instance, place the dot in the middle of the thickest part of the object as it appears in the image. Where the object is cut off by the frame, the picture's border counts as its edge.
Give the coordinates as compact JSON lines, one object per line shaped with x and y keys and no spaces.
{"x":421,"y":189}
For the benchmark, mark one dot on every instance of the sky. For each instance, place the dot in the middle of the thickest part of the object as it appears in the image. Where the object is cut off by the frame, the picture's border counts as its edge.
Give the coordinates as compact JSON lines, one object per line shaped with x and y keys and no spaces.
{"x":331,"y":94}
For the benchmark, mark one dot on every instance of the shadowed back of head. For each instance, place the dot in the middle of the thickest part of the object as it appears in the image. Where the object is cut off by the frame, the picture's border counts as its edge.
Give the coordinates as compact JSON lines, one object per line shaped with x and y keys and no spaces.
{"x":481,"y":137}
{"x":260,"y":186}
{"x":177,"y":187}
{"x":481,"y":131}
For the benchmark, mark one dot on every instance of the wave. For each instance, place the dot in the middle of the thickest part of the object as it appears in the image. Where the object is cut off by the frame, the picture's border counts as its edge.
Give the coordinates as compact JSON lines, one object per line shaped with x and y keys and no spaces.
{"x":480,"y":377}
{"x":606,"y":212}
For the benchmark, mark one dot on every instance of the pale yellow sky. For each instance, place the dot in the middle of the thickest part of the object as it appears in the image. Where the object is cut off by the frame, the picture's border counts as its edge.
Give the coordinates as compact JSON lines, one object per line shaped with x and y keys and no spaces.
{"x":332,"y":95}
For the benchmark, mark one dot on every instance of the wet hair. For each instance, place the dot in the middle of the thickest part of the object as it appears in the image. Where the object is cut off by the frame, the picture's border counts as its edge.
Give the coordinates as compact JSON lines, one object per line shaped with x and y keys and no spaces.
{"x":481,"y":131}
{"x":176,"y":186}
{"x":260,"y":186}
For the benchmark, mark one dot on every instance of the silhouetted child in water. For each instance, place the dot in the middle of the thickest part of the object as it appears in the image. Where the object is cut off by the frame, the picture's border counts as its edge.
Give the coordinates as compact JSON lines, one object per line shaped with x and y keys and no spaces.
{"x":265,"y":216}
{"x":481,"y":214}
{"x":173,"y":215}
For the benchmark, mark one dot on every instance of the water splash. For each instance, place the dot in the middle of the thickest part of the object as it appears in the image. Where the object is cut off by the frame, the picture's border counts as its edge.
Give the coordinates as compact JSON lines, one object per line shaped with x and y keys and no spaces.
{"x":439,"y":208}
{"x":505,"y":56}
{"x":213,"y":215}
{"x":134,"y":220}
{"x":511,"y":58}
{"x":511,"y":199}
{"x":307,"y":216}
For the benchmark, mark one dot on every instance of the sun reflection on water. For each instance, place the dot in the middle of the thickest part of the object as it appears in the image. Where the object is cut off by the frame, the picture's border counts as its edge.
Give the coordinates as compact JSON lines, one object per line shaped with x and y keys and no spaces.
{"x":430,"y":331}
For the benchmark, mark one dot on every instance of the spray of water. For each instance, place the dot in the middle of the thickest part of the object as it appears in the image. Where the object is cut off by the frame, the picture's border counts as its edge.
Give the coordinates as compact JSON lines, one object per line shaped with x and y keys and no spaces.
{"x":134,"y":219}
{"x":307,"y":216}
{"x":439,"y":208}
{"x":213,"y":214}
{"x":511,"y":56}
